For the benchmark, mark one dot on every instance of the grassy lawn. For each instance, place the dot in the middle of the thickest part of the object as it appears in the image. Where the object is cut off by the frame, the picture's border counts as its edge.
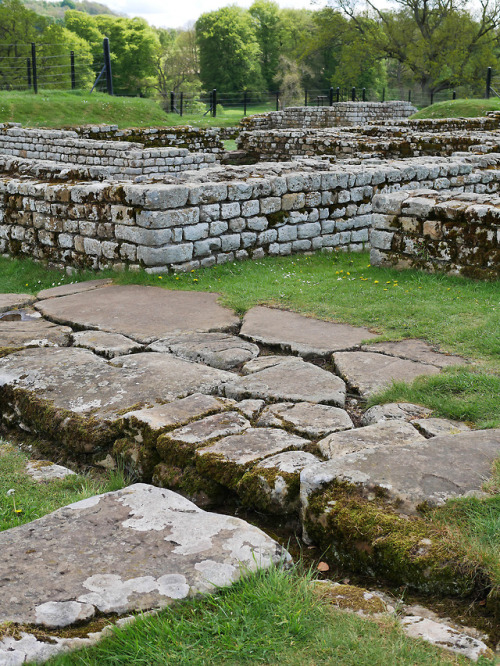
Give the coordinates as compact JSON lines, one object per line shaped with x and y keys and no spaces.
{"x":64,"y":109}
{"x":459,"y":108}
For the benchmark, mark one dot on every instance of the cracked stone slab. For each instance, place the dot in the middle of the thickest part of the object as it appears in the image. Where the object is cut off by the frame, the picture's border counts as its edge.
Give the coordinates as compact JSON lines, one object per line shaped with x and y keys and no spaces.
{"x":306,"y":418}
{"x":144,"y":314}
{"x":402,"y":411}
{"x":228,"y":459}
{"x":273,"y":484}
{"x":301,"y":335}
{"x":431,"y":471}
{"x":250,"y":408}
{"x":11,"y":301}
{"x":219,"y":350}
{"x":289,"y":380}
{"x":445,"y":637}
{"x":384,"y":433}
{"x":44,"y":470}
{"x":105,"y":344}
{"x":179,"y":446}
{"x":369,"y":372}
{"x":434,"y":426}
{"x":415,"y":350}
{"x":169,"y":549}
{"x":33,"y":333}
{"x":75,"y":382}
{"x":70,"y":289}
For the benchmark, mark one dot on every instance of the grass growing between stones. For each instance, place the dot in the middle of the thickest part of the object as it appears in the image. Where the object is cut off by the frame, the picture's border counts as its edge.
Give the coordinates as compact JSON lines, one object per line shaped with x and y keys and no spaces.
{"x":266,"y":618}
{"x":33,"y":499}
{"x":459,"y":108}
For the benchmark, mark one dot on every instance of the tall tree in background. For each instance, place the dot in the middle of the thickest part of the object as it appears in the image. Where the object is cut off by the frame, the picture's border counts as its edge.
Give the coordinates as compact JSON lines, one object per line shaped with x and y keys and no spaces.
{"x":441,"y":42}
{"x":177,"y":64}
{"x":229,"y":50}
{"x":266,"y":15}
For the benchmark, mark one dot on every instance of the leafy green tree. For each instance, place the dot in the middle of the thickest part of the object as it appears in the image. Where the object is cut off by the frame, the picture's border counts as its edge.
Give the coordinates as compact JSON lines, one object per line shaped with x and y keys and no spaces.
{"x":229,"y":50}
{"x":266,"y":14}
{"x":177,"y":65}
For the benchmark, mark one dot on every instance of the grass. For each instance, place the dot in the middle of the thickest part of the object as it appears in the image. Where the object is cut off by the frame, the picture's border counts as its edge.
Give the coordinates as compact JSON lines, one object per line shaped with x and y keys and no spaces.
{"x":66,"y":109}
{"x":33,"y":499}
{"x":459,"y":108}
{"x":267,"y":618}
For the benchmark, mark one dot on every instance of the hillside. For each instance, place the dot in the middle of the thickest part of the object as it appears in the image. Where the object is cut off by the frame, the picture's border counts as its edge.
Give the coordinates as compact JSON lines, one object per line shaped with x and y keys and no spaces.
{"x":459,"y":108}
{"x":56,"y":10}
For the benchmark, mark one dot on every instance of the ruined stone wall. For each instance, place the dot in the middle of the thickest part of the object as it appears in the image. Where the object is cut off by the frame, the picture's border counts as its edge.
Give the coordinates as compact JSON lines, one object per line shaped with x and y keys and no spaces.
{"x":120,"y":159}
{"x":457,"y":234}
{"x":226,"y":214}
{"x":195,"y":139}
{"x":486,"y":124}
{"x":337,"y":115}
{"x":382,"y":142}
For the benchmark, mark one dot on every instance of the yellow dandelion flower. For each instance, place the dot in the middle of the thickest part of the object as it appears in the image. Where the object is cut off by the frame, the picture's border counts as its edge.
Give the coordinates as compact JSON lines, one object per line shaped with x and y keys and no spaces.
{"x":375,"y":282}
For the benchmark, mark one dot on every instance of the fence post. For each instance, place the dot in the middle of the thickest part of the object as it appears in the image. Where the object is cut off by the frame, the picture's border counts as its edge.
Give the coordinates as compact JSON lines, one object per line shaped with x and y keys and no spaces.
{"x":172,"y":101}
{"x":353,"y":94}
{"x":73,"y":75}
{"x":383,"y":94}
{"x":277,"y":100}
{"x":181,"y":108}
{"x":214,"y":102}
{"x":338,"y":94}
{"x":432,"y":98}
{"x":107,"y":65}
{"x":488,"y":82}
{"x":454,"y":94}
{"x":244,"y":102}
{"x":330,"y":100}
{"x":409,"y":96}
{"x":33,"y":67}
{"x":305,"y":100}
{"x":28,"y":71}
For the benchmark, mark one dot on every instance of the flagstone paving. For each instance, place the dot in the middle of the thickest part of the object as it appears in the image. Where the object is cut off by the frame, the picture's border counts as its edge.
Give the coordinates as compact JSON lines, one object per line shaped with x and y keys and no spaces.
{"x":166,"y":383}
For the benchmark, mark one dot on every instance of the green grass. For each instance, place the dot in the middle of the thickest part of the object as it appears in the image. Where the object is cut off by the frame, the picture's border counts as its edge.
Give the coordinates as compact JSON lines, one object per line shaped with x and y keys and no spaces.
{"x":65,"y":109}
{"x":267,"y":618}
{"x":33,"y":499}
{"x":459,"y":108}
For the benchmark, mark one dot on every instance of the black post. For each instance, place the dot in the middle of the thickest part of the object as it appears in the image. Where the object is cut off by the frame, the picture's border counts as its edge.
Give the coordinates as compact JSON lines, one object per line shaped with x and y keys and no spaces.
{"x":33,"y":67}
{"x":432,"y":98}
{"x":181,"y":109}
{"x":277,"y":100}
{"x":28,"y":67}
{"x":244,"y":102}
{"x":331,"y":97}
{"x":409,"y":96}
{"x":454,"y":94}
{"x":214,"y":101}
{"x":172,"y":101}
{"x":364,"y":94}
{"x":353,"y":94}
{"x":338,"y":94}
{"x":73,"y":75}
{"x":488,"y":82}
{"x":107,"y":66}
{"x":305,"y":100}
{"x":383,"y":94}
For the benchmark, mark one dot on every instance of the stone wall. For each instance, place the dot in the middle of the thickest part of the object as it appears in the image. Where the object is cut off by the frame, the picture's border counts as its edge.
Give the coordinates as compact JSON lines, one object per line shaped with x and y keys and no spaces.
{"x":339,"y":114}
{"x":382,"y":142}
{"x":120,"y":159}
{"x":195,"y":139}
{"x":454,"y":233}
{"x":222,"y":214}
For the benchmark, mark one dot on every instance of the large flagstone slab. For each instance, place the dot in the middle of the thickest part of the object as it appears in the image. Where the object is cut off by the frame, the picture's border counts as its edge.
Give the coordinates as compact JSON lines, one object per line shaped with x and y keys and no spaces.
{"x":306,"y":418}
{"x":33,"y":333}
{"x":369,"y":372}
{"x":144,"y":314}
{"x":415,"y":350}
{"x":10,"y":301}
{"x":139,"y":548}
{"x":301,"y":335}
{"x":287,"y":379}
{"x":74,"y":288}
{"x":73,"y":395}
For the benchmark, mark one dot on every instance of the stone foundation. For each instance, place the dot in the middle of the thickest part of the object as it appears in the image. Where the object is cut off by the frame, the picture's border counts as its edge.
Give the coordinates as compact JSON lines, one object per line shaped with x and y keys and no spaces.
{"x":457,"y":234}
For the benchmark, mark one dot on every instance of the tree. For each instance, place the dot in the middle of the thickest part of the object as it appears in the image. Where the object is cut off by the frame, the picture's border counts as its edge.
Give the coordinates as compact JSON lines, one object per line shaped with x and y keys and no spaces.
{"x":229,"y":50}
{"x":177,"y":64}
{"x":440,"y":41}
{"x":266,"y":15}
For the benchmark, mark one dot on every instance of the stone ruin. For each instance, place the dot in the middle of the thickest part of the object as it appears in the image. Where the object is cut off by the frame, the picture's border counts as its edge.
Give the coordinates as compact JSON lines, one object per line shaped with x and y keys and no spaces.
{"x":209,"y":411}
{"x":166,"y":199}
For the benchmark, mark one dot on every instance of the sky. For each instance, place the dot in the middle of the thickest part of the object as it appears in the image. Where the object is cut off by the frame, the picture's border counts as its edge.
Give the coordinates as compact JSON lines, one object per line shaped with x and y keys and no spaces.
{"x":178,"y":13}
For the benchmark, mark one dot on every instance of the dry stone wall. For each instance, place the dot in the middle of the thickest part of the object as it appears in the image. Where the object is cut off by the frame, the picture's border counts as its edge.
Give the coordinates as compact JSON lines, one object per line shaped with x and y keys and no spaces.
{"x":339,"y":114}
{"x":457,"y":233}
{"x":223,"y":215}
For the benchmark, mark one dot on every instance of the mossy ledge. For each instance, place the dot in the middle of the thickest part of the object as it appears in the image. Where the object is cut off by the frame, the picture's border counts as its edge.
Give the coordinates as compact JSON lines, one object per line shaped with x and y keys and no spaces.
{"x":371,"y":538}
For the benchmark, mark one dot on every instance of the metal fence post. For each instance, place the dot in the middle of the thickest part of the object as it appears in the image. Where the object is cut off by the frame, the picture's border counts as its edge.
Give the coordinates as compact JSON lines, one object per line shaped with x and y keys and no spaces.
{"x":107,"y":65}
{"x":181,"y":108}
{"x":305,"y":100}
{"x":432,"y":98}
{"x":73,"y":75}
{"x":214,"y":102}
{"x":277,"y":100}
{"x":172,"y":101}
{"x":383,"y":94}
{"x":409,"y":96}
{"x":28,"y":71}
{"x":33,"y":68}
{"x":338,"y":94}
{"x":353,"y":94}
{"x":488,"y":82}
{"x":454,"y":94}
{"x":364,"y":94}
{"x":330,"y":100}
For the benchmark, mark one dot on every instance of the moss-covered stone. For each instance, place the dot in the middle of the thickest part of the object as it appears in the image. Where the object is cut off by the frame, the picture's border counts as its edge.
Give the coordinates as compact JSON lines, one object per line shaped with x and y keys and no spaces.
{"x":139,"y":460}
{"x":189,"y":483}
{"x":270,"y":490}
